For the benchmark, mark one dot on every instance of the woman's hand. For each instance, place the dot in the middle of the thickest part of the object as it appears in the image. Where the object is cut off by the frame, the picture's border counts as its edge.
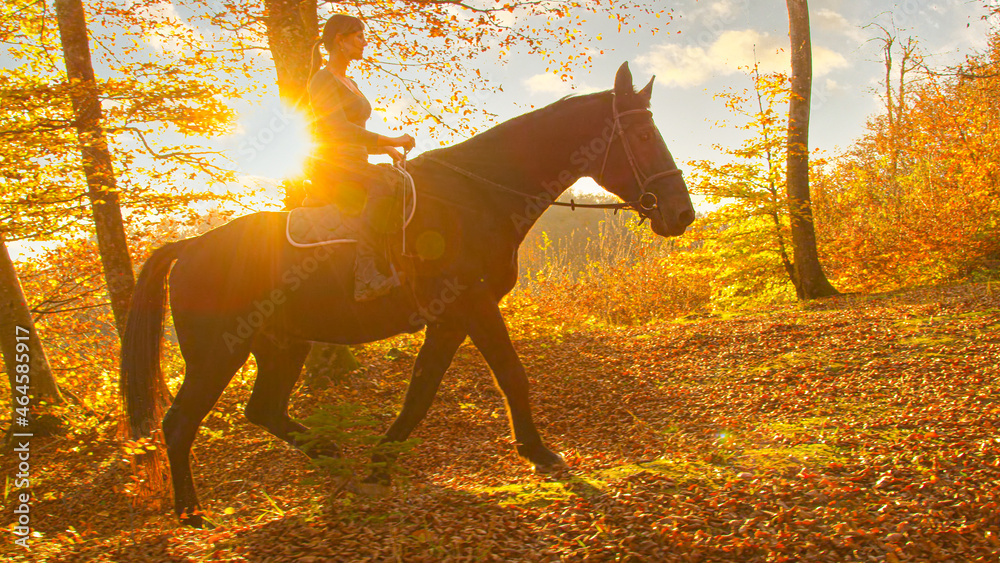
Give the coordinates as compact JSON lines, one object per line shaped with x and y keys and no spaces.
{"x":396,"y":156}
{"x":404,"y":142}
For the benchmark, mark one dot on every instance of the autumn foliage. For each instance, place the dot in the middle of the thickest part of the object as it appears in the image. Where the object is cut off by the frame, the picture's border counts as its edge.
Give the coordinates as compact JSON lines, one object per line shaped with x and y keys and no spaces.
{"x":917,"y":199}
{"x":913,"y":202}
{"x":706,"y":414}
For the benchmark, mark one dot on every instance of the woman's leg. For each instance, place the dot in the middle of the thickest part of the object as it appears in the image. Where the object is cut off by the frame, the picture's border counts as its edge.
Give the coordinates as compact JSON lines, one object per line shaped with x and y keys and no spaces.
{"x":361,"y":192}
{"x":369,"y":282}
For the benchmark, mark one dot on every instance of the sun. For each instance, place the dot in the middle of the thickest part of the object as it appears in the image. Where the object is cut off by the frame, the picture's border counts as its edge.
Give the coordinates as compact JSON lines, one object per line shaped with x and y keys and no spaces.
{"x":274,"y":144}
{"x":290,"y":140}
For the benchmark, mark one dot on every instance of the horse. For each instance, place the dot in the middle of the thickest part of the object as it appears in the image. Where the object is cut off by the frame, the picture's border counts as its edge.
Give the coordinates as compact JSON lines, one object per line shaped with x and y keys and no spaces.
{"x":242,"y":289}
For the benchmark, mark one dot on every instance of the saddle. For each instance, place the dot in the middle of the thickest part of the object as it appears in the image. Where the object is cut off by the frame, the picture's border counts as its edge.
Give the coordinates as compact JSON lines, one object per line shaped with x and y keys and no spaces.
{"x":321,"y":222}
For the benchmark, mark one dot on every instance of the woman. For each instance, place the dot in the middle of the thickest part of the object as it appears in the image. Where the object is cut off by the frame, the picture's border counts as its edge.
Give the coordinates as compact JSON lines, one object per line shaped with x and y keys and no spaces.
{"x":340,"y":171}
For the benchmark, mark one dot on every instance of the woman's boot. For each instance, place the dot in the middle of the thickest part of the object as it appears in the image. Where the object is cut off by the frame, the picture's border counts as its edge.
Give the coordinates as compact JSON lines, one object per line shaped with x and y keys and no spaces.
{"x":369,"y":283}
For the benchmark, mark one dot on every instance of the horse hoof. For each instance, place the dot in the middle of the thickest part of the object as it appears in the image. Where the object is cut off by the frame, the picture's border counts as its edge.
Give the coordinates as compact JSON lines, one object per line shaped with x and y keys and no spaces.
{"x":543,"y":459}
{"x":554,"y":468}
{"x":549,"y":462}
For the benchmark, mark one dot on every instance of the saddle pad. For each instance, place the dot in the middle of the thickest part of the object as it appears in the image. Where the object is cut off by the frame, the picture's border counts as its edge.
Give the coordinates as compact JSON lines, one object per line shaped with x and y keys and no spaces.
{"x":319,"y":225}
{"x":315,"y":226}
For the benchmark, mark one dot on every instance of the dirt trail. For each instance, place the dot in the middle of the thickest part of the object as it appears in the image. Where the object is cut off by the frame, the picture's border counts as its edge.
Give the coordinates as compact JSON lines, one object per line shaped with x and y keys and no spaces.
{"x":857,"y":428}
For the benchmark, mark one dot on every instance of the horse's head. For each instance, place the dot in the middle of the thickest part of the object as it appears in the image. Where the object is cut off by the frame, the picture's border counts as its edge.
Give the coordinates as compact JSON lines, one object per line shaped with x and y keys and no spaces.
{"x":637,"y":166}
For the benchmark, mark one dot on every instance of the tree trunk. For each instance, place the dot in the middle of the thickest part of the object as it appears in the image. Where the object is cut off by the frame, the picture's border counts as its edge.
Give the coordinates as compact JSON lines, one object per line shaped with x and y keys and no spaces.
{"x":291,"y":31}
{"x":14,"y":313}
{"x":101,"y":184}
{"x":810,"y":281}
{"x":292,"y":28}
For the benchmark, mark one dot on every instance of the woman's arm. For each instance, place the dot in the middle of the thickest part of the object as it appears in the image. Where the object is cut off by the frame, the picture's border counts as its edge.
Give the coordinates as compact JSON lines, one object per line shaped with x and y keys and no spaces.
{"x":325,"y":97}
{"x":403,"y":141}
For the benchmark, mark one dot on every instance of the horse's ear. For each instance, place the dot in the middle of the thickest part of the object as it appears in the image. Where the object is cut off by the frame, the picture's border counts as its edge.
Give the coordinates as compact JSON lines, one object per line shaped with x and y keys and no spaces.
{"x":623,"y":81}
{"x":647,"y":91}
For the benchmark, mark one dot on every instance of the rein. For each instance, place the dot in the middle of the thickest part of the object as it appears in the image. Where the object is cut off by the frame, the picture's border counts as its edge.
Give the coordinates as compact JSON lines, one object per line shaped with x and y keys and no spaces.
{"x":503,"y":188}
{"x":647,"y":200}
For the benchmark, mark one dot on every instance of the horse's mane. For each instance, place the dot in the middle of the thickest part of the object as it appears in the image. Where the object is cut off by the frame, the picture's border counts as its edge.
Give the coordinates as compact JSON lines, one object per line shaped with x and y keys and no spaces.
{"x":482,"y":149}
{"x":521,"y":122}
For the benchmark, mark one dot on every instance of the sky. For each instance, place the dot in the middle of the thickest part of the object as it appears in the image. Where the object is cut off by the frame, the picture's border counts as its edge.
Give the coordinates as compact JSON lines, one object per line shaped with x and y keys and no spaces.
{"x":702,"y":51}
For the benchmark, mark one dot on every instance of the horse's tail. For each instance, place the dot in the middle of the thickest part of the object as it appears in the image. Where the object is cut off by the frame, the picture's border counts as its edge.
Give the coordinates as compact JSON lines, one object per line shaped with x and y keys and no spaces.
{"x":143,"y":388}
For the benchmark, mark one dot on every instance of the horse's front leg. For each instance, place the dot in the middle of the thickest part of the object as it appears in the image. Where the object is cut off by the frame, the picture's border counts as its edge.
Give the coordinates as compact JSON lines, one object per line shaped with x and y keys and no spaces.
{"x":486,"y":327}
{"x":436,"y":353}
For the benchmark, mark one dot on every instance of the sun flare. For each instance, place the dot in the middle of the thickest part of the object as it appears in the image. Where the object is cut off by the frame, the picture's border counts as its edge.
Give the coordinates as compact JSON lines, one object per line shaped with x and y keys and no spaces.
{"x":274,"y":149}
{"x":292,"y":144}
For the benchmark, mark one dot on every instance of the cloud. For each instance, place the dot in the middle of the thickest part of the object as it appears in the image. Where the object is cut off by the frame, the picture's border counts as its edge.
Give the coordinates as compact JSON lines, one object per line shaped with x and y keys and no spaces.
{"x":738,"y":49}
{"x":546,"y":83}
{"x":831,"y":21}
{"x":731,"y":52}
{"x":683,"y":66}
{"x":552,"y":84}
{"x":831,"y":86}
{"x":828,"y":19}
{"x":723,"y":11}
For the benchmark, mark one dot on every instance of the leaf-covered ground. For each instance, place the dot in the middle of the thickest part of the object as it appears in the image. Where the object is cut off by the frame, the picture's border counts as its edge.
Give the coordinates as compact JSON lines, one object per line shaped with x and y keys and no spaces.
{"x":861,"y":428}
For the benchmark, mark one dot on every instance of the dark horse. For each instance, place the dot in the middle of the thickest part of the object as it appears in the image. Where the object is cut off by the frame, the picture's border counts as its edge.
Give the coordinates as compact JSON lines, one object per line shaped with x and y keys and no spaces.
{"x":241,"y":289}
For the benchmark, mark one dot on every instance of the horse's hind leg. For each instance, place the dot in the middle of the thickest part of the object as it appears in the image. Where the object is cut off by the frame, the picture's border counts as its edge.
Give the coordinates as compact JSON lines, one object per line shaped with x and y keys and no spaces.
{"x":208,"y":372}
{"x":432,"y":361}
{"x":279,"y":364}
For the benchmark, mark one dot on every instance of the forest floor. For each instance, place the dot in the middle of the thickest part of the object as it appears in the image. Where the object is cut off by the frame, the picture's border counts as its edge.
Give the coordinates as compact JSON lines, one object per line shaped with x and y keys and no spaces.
{"x":856,"y":428}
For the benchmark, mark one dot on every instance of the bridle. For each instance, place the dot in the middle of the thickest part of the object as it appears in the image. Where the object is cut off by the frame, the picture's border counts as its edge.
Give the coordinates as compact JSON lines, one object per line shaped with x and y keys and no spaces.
{"x":647,"y":202}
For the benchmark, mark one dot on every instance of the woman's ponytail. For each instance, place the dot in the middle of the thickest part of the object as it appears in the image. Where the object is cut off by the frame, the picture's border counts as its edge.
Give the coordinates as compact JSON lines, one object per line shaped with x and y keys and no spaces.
{"x":316,"y":59}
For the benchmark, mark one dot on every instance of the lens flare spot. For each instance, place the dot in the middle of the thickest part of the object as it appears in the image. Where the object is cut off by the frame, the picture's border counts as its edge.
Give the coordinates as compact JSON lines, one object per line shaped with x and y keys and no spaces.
{"x":430,"y":245}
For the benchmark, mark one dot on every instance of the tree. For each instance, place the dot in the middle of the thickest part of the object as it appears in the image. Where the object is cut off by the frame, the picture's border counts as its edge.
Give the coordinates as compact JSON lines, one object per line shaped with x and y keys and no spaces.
{"x":97,"y":166}
{"x":744,"y":243}
{"x":14,"y":313}
{"x":147,"y":94}
{"x":43,"y":107}
{"x":47,"y":125}
{"x":810,"y":281}
{"x":292,"y":27}
{"x":417,"y":46}
{"x":915,"y":199}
